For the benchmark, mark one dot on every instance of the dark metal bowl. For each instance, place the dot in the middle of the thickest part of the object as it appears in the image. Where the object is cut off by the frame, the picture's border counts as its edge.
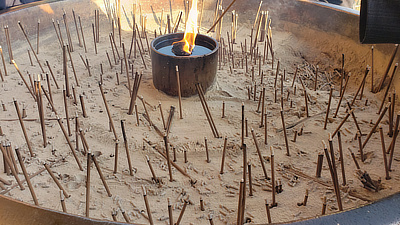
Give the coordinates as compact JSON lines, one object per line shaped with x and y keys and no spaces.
{"x":192,"y":69}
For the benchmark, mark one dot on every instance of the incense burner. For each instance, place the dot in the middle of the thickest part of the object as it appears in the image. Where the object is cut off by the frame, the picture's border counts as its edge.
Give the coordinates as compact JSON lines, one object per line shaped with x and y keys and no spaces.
{"x":200,"y":67}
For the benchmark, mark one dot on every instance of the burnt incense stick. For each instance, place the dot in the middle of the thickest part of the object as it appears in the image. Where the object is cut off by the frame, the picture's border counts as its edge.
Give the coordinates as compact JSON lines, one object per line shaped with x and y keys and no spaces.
{"x":306,"y":101}
{"x":30,"y":45}
{"x":9,"y":163}
{"x":103,"y":180}
{"x":343,"y":121}
{"x":240,"y":203}
{"x":72,"y":65}
{"x":127,"y":69}
{"x":250,"y":179}
{"x":23,"y":128}
{"x":39,"y":101}
{"x":387,"y":68}
{"x":147,"y":205}
{"x":30,"y":60}
{"x":69,"y":143}
{"x":268,"y":211}
{"x":274,"y":203}
{"x":178,"y":81}
{"x":47,"y":167}
{"x":223,"y":156}
{"x":222,"y":15}
{"x":66,"y":113}
{"x":358,"y":135}
{"x":295,"y":75}
{"x":360,"y":86}
{"x":341,"y":158}
{"x":328,"y":108}
{"x":83,"y":106}
{"x":155,"y":179}
{"x":83,"y":36}
{"x":94,"y":39}
{"x":8,"y":43}
{"x":186,"y":201}
{"x":333,"y":176}
{"x":354,"y":159}
{"x":28,"y":181}
{"x":168,"y":158}
{"x":354,"y":118}
{"x":65,"y":70}
{"x":108,"y":111}
{"x":37,"y":37}
{"x":23,"y":79}
{"x":64,"y":207}
{"x":262,"y":107}
{"x":207,"y":154}
{"x":265,"y":129}
{"x":126,"y":147}
{"x":388,"y":87}
{"x":3,"y":60}
{"x":88,"y":165}
{"x":385,"y":163}
{"x":206,"y":109}
{"x":323,"y":206}
{"x":375,"y":126}
{"x":67,"y":31}
{"x":284,"y":132}
{"x":392,"y":144}
{"x":116,"y":157}
{"x":259,"y":154}
{"x":58,"y":35}
{"x":202,"y":204}
{"x":341,"y":96}
{"x":319,"y":165}
{"x":76,"y":28}
{"x":52,"y":74}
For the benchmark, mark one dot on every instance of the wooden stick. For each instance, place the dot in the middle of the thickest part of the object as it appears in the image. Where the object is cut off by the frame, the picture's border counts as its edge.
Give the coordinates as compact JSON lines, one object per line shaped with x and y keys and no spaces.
{"x":323,"y":206}
{"x":30,"y":45}
{"x":375,"y":126}
{"x":103,"y":180}
{"x":284,"y":132}
{"x":384,"y":154}
{"x":341,"y":96}
{"x":259,"y":154}
{"x":388,"y":87}
{"x":9,"y":163}
{"x":328,"y":108}
{"x":108,"y":111}
{"x":147,"y":205}
{"x":220,"y":17}
{"x":28,"y":181}
{"x":69,"y":143}
{"x":387,"y":68}
{"x":179,"y":91}
{"x":46,"y":166}
{"x":168,"y":158}
{"x":88,"y":165}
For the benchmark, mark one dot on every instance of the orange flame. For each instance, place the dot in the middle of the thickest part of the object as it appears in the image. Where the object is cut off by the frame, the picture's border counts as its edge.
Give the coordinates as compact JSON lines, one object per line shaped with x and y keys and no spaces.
{"x":191,"y":29}
{"x":47,"y":8}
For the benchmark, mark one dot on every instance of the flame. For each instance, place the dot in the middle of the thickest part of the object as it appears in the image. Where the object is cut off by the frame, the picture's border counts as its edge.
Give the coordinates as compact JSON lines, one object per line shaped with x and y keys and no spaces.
{"x":191,"y":29}
{"x":47,"y":8}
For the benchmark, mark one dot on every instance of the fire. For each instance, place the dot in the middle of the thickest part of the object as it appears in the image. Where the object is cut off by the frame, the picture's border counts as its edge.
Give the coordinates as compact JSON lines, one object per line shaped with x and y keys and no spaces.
{"x":47,"y":8}
{"x":191,"y":29}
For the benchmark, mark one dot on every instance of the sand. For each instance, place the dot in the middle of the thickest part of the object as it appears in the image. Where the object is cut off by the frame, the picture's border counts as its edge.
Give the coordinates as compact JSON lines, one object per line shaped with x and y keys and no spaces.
{"x":220,"y":192}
